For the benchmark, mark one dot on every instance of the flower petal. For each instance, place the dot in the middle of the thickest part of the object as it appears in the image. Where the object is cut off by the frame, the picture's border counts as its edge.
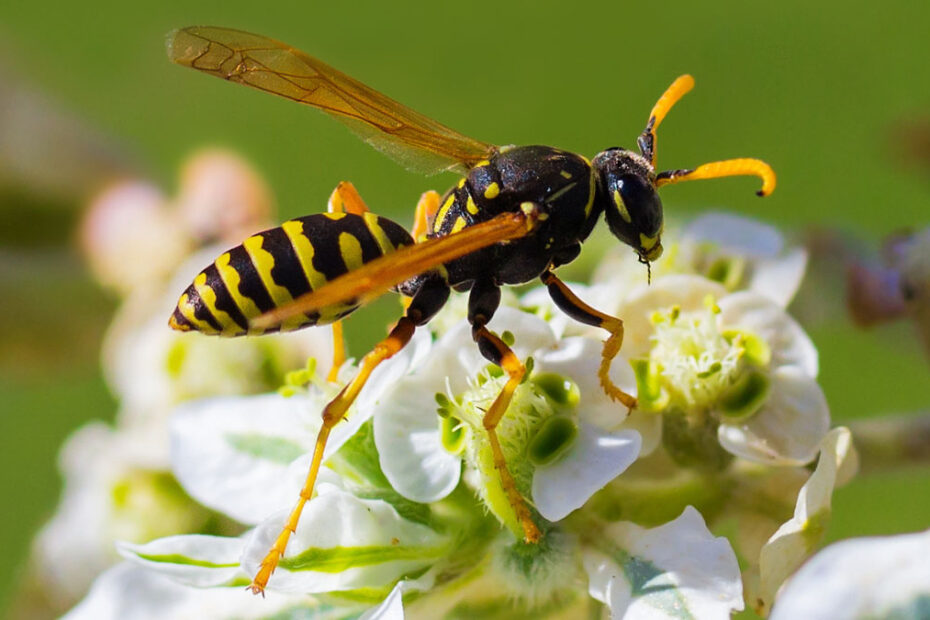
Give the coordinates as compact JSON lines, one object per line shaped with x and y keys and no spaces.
{"x":231,"y":453}
{"x":596,"y":458}
{"x":386,"y":375}
{"x":789,"y":427}
{"x":879,"y":577}
{"x":799,"y":536}
{"x":195,"y":559}
{"x":560,"y":323}
{"x":734,"y":234}
{"x":579,"y":359}
{"x":343,"y":542}
{"x":456,"y":358}
{"x":685,"y":291}
{"x":675,"y":570}
{"x":391,"y":609}
{"x":129,"y":592}
{"x":789,"y":344}
{"x":409,"y":446}
{"x":780,"y":277}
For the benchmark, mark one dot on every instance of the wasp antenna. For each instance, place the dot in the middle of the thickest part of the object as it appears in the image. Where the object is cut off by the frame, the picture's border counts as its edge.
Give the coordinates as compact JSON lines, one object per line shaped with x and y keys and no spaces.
{"x":647,"y":140}
{"x":719,"y":169}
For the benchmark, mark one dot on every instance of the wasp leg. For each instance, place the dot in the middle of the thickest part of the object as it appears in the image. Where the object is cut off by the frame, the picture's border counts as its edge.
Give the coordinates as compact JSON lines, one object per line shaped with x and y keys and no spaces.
{"x":426,"y":211}
{"x":482,"y":303}
{"x":565,"y":299}
{"x":427,"y":301}
{"x":344,"y":199}
{"x":647,"y":140}
{"x":726,"y":168}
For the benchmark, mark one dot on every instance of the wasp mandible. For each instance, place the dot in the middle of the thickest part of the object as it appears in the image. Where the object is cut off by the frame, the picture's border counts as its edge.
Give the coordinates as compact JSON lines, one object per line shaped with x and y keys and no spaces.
{"x":517,"y":214}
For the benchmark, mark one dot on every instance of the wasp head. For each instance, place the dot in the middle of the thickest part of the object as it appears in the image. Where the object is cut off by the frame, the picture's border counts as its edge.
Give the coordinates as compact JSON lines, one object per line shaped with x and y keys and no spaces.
{"x":627,"y":188}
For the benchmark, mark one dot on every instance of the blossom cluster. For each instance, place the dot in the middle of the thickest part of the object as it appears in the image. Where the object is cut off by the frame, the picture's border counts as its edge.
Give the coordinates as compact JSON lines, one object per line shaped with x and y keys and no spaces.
{"x":118,"y":479}
{"x":701,"y":501}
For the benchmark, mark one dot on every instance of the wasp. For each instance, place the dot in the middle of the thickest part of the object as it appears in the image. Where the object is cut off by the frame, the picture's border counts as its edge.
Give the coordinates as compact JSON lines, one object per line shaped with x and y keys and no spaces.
{"x":516,"y":215}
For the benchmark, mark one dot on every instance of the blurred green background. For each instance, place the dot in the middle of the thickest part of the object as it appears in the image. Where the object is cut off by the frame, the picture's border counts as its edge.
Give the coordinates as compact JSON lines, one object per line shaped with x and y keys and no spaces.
{"x":814,"y":88}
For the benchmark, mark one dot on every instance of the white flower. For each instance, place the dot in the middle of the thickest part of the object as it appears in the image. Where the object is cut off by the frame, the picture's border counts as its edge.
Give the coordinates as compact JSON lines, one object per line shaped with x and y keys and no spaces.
{"x":678,"y":569}
{"x":248,"y":456}
{"x":880,"y":577}
{"x":743,"y":253}
{"x":421,"y":453}
{"x":128,"y":592}
{"x":116,"y":487}
{"x":799,"y":537}
{"x":737,"y":357}
{"x":738,"y":253}
{"x":152,"y":368}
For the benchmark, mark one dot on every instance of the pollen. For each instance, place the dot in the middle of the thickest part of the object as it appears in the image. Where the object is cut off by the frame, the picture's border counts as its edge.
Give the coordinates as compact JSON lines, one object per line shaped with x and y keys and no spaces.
{"x":698,"y":363}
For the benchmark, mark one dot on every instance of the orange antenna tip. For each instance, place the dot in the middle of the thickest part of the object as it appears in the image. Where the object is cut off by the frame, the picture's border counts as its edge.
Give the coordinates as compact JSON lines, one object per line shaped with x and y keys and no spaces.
{"x":726,"y":168}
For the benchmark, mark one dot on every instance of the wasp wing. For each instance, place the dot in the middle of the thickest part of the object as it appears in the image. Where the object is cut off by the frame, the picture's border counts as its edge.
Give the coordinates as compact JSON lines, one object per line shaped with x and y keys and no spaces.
{"x":375,"y":278}
{"x":414,"y":140}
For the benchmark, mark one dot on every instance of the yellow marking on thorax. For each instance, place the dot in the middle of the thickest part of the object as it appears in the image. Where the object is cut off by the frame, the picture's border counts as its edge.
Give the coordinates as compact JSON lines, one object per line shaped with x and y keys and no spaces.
{"x":351,"y":251}
{"x":592,"y":187}
{"x":461,"y":183}
{"x":304,"y":250}
{"x":460,"y":223}
{"x":443,"y":211}
{"x":335,"y":215}
{"x":208,"y":295}
{"x":483,"y":162}
{"x":492,"y":191}
{"x":565,"y":174}
{"x":561,"y":192}
{"x":621,"y":207}
{"x":470,"y":206}
{"x":187,"y":311}
{"x":264,"y":262}
{"x":231,"y":279}
{"x":381,"y":238}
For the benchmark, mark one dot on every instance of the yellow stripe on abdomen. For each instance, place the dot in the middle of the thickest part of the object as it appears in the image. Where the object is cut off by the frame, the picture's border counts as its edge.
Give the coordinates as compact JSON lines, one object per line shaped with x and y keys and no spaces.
{"x":264,"y":262}
{"x":208,"y":295}
{"x":231,"y":279}
{"x":294,"y":230}
{"x":380,"y":237}
{"x":187,"y":310}
{"x":351,"y":251}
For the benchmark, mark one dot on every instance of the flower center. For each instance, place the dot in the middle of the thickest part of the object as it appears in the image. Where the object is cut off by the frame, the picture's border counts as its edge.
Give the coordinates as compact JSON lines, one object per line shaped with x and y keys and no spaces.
{"x":537,"y":429}
{"x":695,"y":366}
{"x":695,"y":361}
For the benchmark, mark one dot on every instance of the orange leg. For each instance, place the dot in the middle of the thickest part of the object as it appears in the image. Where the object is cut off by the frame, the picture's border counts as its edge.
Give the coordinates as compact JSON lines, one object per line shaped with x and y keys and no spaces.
{"x":506,"y":359}
{"x":565,"y":299}
{"x":332,"y":414}
{"x":426,"y":211}
{"x":428,"y":300}
{"x":344,"y":199}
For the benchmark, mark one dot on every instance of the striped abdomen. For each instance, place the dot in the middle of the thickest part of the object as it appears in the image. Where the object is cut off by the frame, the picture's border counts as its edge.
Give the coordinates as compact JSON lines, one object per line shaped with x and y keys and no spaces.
{"x":275,"y":266}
